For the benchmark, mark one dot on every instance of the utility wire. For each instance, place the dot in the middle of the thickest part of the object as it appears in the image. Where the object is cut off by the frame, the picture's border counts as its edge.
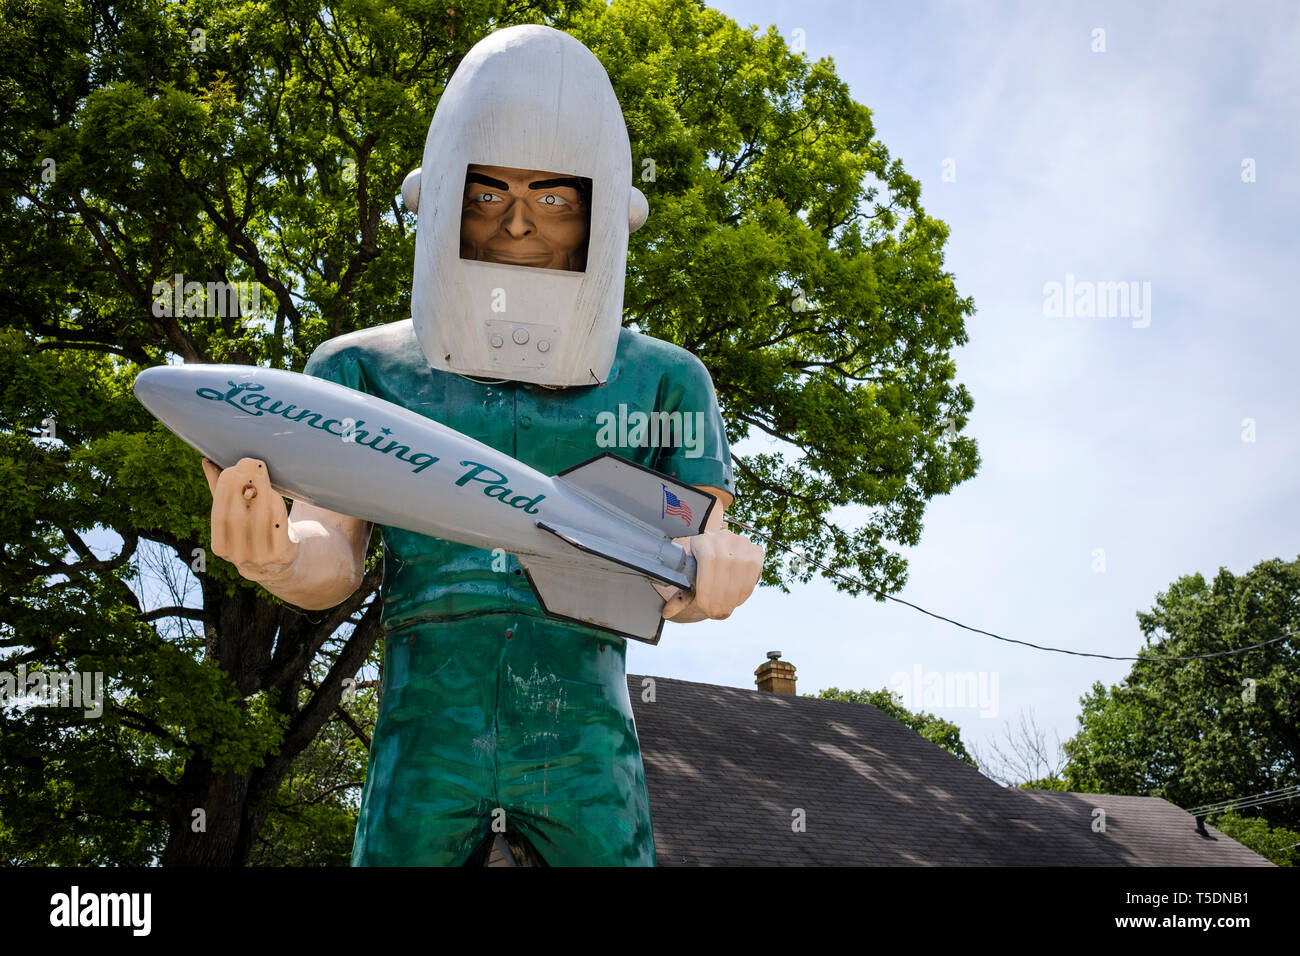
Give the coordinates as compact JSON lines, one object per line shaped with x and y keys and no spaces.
{"x":1010,"y":640}
{"x":1255,"y":800}
{"x":1281,"y":798}
{"x":1216,"y":809}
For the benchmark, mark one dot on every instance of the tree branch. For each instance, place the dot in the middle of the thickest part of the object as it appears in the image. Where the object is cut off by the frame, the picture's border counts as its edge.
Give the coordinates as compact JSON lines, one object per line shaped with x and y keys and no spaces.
{"x":189,"y":613}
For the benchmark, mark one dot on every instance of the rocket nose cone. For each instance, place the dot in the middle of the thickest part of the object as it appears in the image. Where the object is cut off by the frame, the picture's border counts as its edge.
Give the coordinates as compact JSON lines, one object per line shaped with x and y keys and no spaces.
{"x":150,"y":385}
{"x":163,"y":391}
{"x":145,"y":379}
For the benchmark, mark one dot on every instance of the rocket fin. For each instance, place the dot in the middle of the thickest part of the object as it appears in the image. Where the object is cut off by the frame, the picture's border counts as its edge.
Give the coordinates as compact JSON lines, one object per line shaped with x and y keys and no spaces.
{"x":680,"y":572}
{"x":640,"y":492}
{"x":603,"y":596}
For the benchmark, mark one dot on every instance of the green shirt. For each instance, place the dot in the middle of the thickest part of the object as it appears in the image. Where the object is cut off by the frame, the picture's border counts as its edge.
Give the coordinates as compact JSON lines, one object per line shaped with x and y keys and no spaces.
{"x":550,"y":429}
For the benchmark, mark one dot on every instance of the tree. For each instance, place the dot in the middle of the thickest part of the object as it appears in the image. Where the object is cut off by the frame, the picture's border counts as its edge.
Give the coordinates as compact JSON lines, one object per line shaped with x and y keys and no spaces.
{"x":1204,"y":731}
{"x":313,"y":817}
{"x":1278,"y":844}
{"x":156,"y":155}
{"x":940,"y":732}
{"x":1024,"y":758}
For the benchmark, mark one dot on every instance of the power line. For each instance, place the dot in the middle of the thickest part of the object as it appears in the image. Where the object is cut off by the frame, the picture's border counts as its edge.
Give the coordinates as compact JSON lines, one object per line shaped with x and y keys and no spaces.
{"x":1255,"y":800}
{"x":1275,"y":796}
{"x":1010,"y":640}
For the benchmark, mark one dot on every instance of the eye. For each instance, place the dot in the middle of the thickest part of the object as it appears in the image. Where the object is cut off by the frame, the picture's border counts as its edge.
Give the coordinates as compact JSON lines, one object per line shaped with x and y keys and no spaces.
{"x":487,"y":197}
{"x":550,"y":199}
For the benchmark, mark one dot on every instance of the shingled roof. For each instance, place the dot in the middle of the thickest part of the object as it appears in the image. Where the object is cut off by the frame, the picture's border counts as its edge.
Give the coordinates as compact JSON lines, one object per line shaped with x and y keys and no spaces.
{"x":728,"y":768}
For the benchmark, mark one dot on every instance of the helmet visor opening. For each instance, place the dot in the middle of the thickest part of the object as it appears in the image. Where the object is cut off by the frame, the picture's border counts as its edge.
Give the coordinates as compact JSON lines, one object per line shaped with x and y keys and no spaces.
{"x":525,"y":217}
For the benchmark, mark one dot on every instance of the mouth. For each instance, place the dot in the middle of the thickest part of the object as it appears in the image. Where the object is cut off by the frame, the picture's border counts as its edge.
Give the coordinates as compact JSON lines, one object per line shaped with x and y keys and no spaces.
{"x":516,"y":259}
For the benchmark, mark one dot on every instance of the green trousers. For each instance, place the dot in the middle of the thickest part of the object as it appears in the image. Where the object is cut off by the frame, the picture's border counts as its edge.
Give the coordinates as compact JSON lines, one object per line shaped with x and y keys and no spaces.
{"x":504,"y":720}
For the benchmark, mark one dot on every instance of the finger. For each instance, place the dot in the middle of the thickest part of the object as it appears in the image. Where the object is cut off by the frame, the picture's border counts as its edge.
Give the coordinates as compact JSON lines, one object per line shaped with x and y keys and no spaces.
{"x":211,"y":471}
{"x":254,"y":487}
{"x":666,"y":591}
{"x":735,"y":567}
{"x":254,"y":470}
{"x":232,"y":511}
{"x":760,"y":555}
{"x":242,"y":475}
{"x":230,"y":517}
{"x":221,"y":519}
{"x":706,"y":575}
{"x":254,"y":511}
{"x":732,"y":575}
{"x":750,"y":571}
{"x":746,"y":568}
{"x":268,"y":517}
{"x":678,"y":604}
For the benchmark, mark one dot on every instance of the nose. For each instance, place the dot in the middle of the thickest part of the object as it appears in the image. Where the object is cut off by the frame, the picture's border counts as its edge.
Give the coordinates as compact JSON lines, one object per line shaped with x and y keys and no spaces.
{"x":516,"y":221}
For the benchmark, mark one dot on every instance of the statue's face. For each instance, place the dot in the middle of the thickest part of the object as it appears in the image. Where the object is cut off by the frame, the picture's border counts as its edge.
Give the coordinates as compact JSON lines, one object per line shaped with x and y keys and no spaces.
{"x":525,"y":217}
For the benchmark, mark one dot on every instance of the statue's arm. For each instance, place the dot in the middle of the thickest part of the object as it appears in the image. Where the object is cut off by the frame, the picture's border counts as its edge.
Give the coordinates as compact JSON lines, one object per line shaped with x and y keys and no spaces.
{"x":313,"y":558}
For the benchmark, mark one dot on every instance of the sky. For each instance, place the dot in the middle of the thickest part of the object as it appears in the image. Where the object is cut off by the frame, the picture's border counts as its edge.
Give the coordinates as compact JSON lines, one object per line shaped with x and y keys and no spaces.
{"x":1119,"y":453}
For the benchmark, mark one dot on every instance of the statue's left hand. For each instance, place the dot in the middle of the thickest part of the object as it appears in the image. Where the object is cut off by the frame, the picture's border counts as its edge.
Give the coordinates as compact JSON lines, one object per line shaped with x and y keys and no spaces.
{"x":727,"y":569}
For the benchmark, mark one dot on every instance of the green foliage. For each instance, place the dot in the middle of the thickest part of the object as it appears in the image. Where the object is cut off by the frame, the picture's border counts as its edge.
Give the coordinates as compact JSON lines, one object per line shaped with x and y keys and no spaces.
{"x":1203,"y":731}
{"x":314,"y":815}
{"x":269,"y":148}
{"x":940,"y":732}
{"x":1277,"y":844}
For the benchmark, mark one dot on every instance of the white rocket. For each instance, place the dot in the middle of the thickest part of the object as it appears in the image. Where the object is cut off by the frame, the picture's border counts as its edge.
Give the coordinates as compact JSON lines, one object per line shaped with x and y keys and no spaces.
{"x":591,"y":539}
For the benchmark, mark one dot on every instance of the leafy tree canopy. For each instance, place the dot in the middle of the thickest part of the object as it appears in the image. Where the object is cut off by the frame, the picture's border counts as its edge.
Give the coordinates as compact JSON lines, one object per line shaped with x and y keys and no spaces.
{"x":264,"y":142}
{"x":1204,"y":731}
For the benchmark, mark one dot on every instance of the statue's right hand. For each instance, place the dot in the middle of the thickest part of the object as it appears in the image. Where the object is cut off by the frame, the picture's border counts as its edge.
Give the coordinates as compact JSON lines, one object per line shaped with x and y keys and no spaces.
{"x":250,"y":524}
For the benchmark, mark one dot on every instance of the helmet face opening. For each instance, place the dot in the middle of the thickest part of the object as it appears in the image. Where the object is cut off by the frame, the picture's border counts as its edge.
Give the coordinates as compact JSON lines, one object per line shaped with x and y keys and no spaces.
{"x":525,"y":217}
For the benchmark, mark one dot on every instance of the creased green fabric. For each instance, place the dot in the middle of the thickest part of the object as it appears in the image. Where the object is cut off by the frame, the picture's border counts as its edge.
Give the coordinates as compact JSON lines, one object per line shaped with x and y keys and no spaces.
{"x":508,"y":713}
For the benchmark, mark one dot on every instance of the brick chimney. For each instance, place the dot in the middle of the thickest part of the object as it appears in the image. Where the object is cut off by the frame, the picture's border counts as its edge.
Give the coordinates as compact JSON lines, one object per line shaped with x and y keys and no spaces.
{"x":776,"y":676}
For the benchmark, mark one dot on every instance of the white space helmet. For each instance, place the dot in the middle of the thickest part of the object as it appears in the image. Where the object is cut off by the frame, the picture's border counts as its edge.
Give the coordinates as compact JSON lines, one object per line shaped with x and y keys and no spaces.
{"x":527,"y":98}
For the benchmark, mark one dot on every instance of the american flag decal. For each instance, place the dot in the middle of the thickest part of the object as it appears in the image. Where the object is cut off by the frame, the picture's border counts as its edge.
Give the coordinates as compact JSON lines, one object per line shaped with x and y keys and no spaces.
{"x":673,"y":506}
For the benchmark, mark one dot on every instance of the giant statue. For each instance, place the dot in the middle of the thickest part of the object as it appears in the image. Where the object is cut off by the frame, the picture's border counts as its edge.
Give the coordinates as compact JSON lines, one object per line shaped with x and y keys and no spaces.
{"x":501,"y":708}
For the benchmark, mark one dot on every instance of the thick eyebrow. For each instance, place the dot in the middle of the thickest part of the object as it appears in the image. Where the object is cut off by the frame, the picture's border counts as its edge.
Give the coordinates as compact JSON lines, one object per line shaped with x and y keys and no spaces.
{"x":572,"y":181}
{"x":486,"y":181}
